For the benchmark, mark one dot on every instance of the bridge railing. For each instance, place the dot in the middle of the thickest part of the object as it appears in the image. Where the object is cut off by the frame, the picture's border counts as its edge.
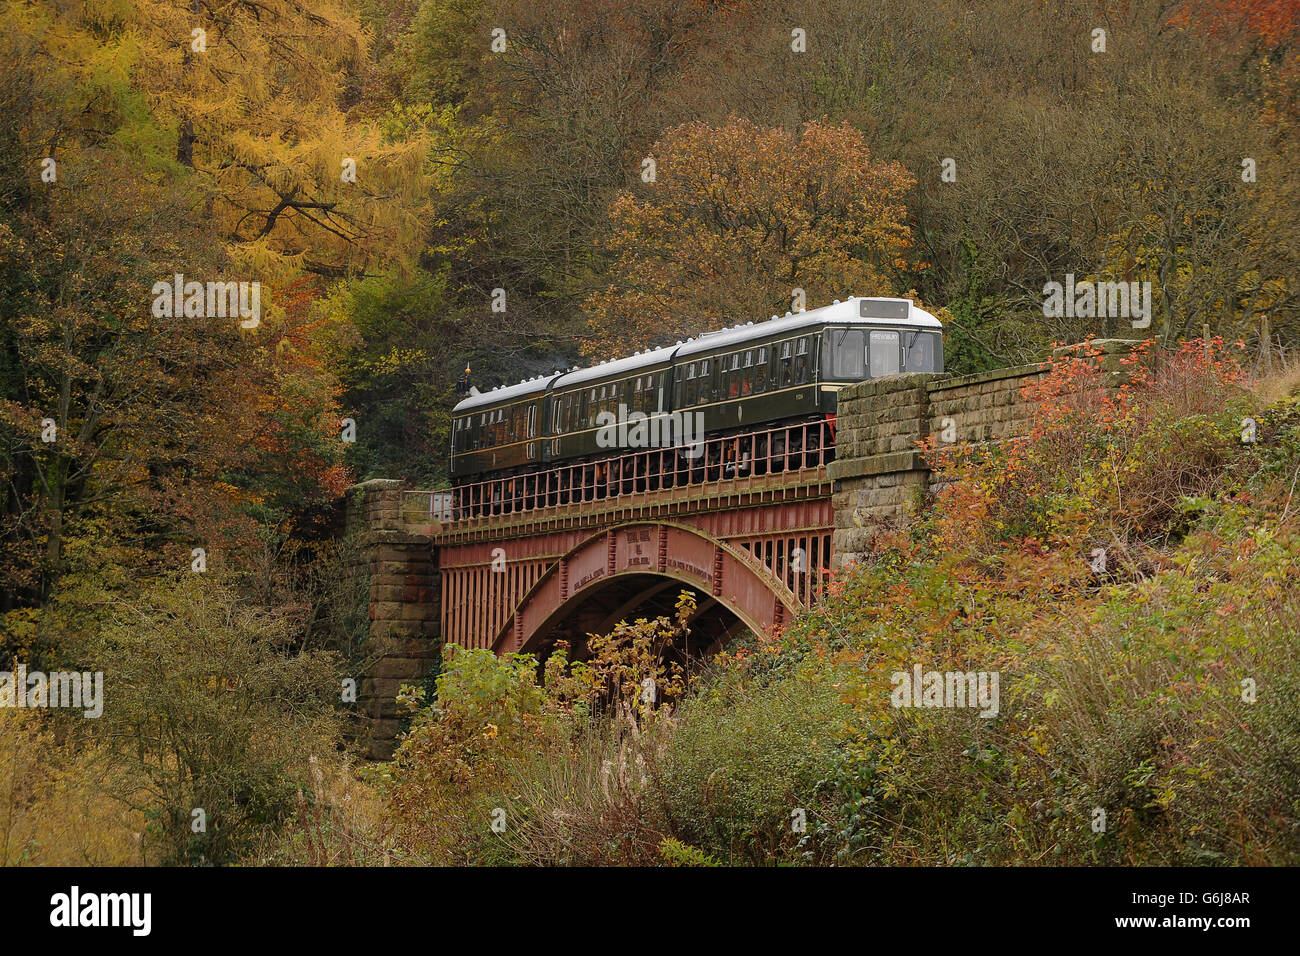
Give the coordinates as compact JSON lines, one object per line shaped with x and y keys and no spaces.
{"x":785,"y":450}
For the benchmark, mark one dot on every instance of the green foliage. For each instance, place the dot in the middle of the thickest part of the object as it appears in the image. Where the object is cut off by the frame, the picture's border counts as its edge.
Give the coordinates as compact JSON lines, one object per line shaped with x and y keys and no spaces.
{"x":676,"y":853}
{"x":745,"y":758}
{"x":209,"y":706}
{"x":561,"y":754}
{"x":386,"y":337}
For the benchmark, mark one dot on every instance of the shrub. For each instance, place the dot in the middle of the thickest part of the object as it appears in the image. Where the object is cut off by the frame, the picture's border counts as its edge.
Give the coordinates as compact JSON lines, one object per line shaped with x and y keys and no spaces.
{"x":557,"y":756}
{"x":208,"y":707}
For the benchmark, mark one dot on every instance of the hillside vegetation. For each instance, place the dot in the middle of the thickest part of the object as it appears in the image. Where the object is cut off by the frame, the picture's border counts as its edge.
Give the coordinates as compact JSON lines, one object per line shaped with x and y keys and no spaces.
{"x":1148,"y":711}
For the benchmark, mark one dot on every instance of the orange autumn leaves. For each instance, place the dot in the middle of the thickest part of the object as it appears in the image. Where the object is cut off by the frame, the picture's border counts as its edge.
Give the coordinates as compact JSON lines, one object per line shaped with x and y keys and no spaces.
{"x":737,"y":217}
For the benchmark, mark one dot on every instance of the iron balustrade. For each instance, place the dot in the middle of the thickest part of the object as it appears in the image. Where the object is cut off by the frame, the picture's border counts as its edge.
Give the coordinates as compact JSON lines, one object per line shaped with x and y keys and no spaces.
{"x":779,"y":450}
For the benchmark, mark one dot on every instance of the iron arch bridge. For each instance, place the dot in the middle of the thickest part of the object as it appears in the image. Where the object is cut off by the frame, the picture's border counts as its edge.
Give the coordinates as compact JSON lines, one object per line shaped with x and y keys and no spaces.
{"x":752,"y":548}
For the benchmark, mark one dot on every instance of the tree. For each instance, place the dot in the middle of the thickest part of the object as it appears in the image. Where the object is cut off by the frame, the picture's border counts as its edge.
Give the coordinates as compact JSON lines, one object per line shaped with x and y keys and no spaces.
{"x":737,"y":218}
{"x":128,"y":430}
{"x":260,"y":99}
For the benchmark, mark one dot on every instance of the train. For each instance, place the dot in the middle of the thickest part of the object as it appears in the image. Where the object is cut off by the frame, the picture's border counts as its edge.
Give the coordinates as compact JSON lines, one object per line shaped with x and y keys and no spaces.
{"x":735,"y":380}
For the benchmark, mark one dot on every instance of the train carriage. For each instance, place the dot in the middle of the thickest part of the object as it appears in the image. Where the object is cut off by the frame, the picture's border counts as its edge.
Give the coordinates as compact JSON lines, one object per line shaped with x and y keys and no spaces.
{"x":585,"y":400}
{"x":500,"y":430}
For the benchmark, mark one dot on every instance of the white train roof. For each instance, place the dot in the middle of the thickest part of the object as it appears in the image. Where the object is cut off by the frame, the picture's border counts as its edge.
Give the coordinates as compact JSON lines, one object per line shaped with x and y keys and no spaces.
{"x":881,"y":312}
{"x":645,"y":359}
{"x":848,"y":312}
{"x":505,"y":393}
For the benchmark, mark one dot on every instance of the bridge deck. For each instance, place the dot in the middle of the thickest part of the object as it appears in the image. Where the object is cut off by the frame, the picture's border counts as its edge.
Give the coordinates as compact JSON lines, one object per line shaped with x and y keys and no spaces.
{"x":761,"y":500}
{"x":720,"y":495}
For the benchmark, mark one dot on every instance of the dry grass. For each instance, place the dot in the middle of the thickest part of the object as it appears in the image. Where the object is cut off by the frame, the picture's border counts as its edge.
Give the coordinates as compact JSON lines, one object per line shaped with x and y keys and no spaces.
{"x":1283,"y":382}
{"x":55,"y":808}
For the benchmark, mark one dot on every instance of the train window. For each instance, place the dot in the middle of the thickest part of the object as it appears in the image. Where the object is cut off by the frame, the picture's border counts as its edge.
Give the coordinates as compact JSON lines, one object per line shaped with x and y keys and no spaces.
{"x":760,"y":372}
{"x":845,"y":355}
{"x":690,"y":371}
{"x":785,"y":350}
{"x":919,"y":352}
{"x":762,"y":355}
{"x":749,"y":357}
{"x":802,"y":346}
{"x":884,"y":353}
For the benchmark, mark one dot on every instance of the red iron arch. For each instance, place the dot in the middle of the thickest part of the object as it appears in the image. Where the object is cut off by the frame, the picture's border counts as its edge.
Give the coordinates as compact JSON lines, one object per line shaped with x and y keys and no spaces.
{"x":735,"y":579}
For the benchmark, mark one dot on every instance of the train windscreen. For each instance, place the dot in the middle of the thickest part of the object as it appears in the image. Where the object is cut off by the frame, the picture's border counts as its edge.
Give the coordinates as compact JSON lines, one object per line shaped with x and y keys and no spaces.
{"x":920,"y":352}
{"x":883,"y":352}
{"x":845,"y":355}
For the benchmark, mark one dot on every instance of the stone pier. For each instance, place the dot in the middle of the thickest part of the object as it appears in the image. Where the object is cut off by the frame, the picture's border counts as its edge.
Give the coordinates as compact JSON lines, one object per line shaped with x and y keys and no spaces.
{"x":405,"y":611}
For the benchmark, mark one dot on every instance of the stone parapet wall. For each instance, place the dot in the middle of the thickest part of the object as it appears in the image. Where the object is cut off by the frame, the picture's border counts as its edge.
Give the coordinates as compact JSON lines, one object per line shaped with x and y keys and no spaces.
{"x":880,"y":476}
{"x":984,"y":407}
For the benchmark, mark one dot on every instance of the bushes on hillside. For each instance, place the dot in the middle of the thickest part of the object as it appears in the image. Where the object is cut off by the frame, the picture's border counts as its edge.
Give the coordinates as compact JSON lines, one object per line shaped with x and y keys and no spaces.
{"x":515,"y":762}
{"x":210,"y":717}
{"x":1146,"y":711}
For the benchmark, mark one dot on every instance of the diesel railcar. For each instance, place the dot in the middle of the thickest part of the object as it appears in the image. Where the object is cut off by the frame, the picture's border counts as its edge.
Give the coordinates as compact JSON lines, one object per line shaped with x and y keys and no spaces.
{"x":734,"y":380}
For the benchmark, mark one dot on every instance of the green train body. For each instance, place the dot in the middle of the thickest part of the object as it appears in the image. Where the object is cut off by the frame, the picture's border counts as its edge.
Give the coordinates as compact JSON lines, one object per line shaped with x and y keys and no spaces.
{"x":734,"y":380}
